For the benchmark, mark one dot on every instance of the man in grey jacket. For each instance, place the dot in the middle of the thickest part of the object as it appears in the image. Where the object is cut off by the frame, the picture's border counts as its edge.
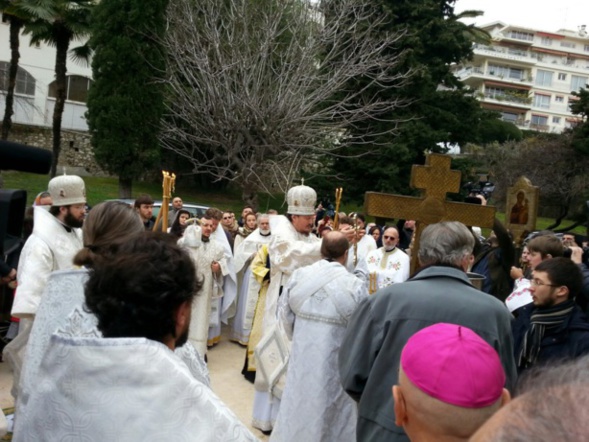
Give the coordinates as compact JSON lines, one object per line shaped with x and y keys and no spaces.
{"x":382,"y":324}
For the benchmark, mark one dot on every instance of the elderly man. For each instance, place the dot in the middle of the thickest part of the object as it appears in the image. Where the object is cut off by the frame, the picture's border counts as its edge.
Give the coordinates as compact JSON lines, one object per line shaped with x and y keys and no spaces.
{"x":450,"y":382}
{"x":386,"y":265}
{"x":382,"y":324}
{"x":129,"y":384}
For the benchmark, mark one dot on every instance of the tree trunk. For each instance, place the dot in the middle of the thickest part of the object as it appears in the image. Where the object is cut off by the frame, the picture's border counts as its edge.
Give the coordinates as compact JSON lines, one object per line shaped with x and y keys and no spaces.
{"x":249,"y":195}
{"x":125,"y":187}
{"x":62,"y":42}
{"x":15,"y":27}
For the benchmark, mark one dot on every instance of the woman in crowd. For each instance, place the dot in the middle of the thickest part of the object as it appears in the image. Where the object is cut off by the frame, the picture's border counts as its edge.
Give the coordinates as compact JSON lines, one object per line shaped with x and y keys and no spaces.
{"x":179,"y":224}
{"x":249,"y":225}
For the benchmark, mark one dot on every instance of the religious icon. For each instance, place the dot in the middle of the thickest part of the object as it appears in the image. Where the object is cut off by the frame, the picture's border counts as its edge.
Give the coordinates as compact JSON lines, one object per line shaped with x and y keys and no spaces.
{"x":519,"y":211}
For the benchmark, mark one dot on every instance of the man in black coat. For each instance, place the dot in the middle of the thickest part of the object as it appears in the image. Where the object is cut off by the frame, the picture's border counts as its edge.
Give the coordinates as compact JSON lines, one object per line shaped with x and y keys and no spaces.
{"x":552,"y":327}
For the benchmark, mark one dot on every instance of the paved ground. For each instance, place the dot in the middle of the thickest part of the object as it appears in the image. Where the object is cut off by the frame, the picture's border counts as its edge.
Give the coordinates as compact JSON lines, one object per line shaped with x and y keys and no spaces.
{"x":225,"y":364}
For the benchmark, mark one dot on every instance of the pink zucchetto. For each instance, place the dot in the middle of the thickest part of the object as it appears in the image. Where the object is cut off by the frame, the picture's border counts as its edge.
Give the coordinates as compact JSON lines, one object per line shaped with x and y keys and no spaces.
{"x":453,"y":364}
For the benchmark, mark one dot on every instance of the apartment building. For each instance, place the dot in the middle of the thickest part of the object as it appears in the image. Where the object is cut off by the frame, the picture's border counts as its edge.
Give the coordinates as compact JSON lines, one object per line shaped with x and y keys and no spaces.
{"x":35,"y":90}
{"x":528,"y":75}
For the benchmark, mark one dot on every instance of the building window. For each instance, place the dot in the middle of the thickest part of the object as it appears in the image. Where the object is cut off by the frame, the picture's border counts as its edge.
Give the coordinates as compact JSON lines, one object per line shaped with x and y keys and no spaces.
{"x":519,"y":35}
{"x":562,"y":76}
{"x":509,"y":117}
{"x":25,"y":82}
{"x":559,"y":99}
{"x":539,"y":120}
{"x":542,"y":101}
{"x":586,"y":48}
{"x":76,"y":88}
{"x":578,"y":82}
{"x":546,"y":41}
{"x":505,"y":72}
{"x":567,"y":44}
{"x":544,"y":78}
{"x":556,"y":120}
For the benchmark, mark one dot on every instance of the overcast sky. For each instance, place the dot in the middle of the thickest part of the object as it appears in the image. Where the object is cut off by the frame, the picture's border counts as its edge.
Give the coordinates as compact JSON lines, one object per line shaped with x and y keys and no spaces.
{"x":546,"y":15}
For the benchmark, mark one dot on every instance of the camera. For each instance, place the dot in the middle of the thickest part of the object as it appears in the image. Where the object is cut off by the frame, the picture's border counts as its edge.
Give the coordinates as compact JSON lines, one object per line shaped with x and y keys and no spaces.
{"x":483,"y":187}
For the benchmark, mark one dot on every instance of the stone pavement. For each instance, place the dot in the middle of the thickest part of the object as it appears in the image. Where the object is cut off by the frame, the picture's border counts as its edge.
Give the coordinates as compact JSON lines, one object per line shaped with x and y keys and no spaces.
{"x":225,"y":361}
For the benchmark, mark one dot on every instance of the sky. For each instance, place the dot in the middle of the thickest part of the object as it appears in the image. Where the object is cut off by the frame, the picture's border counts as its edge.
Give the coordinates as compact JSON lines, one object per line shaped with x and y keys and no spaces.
{"x":545,"y":15}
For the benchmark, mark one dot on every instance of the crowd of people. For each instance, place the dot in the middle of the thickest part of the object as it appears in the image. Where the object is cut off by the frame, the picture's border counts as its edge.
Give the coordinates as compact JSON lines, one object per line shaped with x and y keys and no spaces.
{"x":113,"y":324}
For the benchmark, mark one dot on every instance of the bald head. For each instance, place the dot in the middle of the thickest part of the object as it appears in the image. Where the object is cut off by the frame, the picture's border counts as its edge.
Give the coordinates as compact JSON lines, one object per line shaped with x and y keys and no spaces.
{"x":426,"y":418}
{"x":334,"y":246}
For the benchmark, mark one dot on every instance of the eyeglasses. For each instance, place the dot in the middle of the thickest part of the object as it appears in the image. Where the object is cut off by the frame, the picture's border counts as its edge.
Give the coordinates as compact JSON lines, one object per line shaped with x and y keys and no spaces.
{"x":226,"y":217}
{"x":538,"y":283}
{"x":390,"y":237}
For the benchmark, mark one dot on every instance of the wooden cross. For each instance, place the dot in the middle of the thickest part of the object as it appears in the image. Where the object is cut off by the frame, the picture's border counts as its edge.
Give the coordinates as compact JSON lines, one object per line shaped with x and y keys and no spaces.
{"x":435,"y":179}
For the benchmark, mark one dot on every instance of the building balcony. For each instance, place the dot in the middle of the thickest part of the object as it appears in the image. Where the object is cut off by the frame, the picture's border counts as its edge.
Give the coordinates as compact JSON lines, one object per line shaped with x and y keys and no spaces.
{"x":509,"y":100}
{"x":503,"y":53}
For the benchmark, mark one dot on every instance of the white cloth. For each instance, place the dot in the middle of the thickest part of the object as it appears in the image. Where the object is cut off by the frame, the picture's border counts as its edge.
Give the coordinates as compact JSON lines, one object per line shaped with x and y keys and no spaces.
{"x":50,"y":247}
{"x":203,"y":256}
{"x":127,"y":389}
{"x":366,"y":245}
{"x":246,"y":298}
{"x":395,"y":269}
{"x":520,"y":295}
{"x":288,"y":250}
{"x":224,"y":308}
{"x":314,"y":310}
{"x":62,"y":309}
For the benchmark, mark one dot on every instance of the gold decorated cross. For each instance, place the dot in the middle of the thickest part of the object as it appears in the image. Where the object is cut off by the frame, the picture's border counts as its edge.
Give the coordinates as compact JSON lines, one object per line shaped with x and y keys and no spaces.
{"x":435,"y":179}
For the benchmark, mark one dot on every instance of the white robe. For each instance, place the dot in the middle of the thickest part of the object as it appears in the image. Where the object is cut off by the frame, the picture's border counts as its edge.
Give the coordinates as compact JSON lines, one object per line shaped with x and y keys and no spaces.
{"x":63,"y":309}
{"x":246,"y":298}
{"x":50,"y":247}
{"x":366,"y":245}
{"x":395,"y":269}
{"x":212,"y":289}
{"x":127,"y":389}
{"x":314,"y":311}
{"x":288,"y":250}
{"x":223,"y":308}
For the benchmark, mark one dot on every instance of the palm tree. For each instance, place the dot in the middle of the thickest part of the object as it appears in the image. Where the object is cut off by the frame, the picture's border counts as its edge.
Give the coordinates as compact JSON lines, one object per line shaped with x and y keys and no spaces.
{"x":16,"y":23}
{"x":58,"y":23}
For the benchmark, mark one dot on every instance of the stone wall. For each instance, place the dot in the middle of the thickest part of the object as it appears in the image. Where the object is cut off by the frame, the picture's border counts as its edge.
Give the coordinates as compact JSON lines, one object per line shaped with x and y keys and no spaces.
{"x":76,"y":154}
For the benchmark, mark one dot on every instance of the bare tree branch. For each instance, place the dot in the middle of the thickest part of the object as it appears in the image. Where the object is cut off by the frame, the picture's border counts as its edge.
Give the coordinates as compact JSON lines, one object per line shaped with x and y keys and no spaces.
{"x":256,"y":89}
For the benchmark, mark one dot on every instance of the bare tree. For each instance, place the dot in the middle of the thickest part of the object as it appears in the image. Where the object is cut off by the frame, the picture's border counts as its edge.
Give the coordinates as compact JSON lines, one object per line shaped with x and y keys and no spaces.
{"x":258,"y":87}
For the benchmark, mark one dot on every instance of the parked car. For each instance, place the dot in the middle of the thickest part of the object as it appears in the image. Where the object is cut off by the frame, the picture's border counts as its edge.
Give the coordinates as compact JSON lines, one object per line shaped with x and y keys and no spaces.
{"x":196,"y":210}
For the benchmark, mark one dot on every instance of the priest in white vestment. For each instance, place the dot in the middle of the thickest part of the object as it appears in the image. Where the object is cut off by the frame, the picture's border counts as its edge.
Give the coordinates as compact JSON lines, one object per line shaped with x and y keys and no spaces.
{"x":211,"y":266}
{"x":129,"y":384}
{"x":56,"y":238}
{"x":292,"y":246}
{"x":386,"y":265}
{"x":314,"y":311}
{"x":248,"y":293}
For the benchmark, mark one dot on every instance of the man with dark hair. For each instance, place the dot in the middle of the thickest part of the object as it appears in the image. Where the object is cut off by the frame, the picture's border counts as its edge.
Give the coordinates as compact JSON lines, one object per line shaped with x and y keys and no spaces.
{"x":552,"y":326}
{"x":144,"y":207}
{"x":129,"y":385}
{"x":380,"y":327}
{"x":56,"y":238}
{"x":314,"y":310}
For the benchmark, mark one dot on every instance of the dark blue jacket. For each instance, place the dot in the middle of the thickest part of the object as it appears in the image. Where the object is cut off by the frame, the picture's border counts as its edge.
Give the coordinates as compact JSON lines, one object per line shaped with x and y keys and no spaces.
{"x":569,"y":341}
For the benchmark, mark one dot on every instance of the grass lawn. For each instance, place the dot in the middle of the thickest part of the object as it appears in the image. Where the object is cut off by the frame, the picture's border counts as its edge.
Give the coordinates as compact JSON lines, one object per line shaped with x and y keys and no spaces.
{"x":99,"y":189}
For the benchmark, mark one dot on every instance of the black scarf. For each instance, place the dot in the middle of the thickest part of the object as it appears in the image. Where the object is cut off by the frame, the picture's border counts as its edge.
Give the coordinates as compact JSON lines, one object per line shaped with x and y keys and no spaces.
{"x":542,"y":321}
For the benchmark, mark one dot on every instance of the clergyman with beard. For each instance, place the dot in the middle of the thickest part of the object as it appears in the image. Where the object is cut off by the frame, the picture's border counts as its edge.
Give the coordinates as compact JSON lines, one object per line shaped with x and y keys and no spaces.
{"x":129,"y":384}
{"x":56,"y":238}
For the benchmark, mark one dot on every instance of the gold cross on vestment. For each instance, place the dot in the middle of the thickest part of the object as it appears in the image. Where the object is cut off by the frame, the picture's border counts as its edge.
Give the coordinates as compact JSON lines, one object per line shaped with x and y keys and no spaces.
{"x":435,"y":179}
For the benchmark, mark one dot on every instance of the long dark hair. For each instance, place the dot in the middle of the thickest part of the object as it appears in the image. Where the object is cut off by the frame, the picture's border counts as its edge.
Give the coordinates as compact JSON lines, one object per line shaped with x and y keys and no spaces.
{"x":177,"y":229}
